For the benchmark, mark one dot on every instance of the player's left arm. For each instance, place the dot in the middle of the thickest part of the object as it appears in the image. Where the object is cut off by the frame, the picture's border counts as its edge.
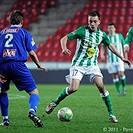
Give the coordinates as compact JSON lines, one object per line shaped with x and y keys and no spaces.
{"x":114,"y":50}
{"x":128,"y":40}
{"x":36,"y":60}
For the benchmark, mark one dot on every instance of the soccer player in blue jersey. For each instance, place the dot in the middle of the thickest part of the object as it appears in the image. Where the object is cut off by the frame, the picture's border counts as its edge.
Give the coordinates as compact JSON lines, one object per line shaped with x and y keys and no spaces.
{"x":85,"y":62}
{"x":15,"y":43}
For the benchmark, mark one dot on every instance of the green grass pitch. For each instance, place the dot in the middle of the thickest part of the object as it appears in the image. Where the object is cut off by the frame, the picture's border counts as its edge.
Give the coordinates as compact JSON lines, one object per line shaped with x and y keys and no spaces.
{"x":90,"y":113}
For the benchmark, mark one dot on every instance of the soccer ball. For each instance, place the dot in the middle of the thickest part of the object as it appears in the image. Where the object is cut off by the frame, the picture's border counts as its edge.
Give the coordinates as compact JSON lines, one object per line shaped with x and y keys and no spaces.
{"x":65,"y":114}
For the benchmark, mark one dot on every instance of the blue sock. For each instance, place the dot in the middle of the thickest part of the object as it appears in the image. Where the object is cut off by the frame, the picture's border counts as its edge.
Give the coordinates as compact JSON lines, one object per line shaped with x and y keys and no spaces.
{"x":33,"y":102}
{"x":4,"y":104}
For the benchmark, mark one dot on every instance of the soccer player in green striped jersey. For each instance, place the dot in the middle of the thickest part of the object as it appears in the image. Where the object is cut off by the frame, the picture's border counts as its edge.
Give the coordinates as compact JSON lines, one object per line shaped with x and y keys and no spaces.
{"x":128,"y":40}
{"x":115,"y":64}
{"x":84,"y":61}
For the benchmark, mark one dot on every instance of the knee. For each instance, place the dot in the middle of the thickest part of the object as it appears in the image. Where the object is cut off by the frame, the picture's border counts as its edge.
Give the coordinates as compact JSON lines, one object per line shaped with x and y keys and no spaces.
{"x":72,"y":90}
{"x":101,"y":88}
{"x":35,"y":91}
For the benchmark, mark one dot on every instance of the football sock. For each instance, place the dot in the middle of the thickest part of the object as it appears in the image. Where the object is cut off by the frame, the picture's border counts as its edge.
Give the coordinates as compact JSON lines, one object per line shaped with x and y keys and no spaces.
{"x":5,"y":118}
{"x":33,"y":102}
{"x":107,"y":100}
{"x":61,"y":96}
{"x":123,"y":81}
{"x":4,"y":105}
{"x":117,"y":84}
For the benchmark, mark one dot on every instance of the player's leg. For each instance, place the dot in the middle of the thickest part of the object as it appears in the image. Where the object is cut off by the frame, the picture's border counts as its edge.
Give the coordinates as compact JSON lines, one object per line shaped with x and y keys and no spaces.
{"x":33,"y":103}
{"x":116,"y":82}
{"x":113,"y":70}
{"x":122,"y":76}
{"x":24,"y":81}
{"x":4,"y":103}
{"x":73,"y":79}
{"x":123,"y":82}
{"x":63,"y":94}
{"x":98,"y":81}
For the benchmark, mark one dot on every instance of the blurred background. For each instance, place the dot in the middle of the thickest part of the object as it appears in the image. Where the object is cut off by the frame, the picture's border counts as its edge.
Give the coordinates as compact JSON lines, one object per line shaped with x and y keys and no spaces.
{"x":49,"y":20}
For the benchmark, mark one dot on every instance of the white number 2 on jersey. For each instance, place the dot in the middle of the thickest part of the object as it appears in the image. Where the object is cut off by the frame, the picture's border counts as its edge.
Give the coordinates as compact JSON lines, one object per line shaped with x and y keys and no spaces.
{"x":9,"y":37}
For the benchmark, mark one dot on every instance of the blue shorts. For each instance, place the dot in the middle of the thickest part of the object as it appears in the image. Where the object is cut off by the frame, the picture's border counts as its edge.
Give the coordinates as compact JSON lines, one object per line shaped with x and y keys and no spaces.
{"x":19,"y":74}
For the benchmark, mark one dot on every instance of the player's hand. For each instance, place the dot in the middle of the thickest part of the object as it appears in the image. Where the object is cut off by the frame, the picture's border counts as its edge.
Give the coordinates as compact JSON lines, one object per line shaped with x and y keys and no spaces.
{"x":66,"y":52}
{"x":2,"y":79}
{"x":126,"y":48}
{"x":126,"y":61}
{"x":43,"y":68}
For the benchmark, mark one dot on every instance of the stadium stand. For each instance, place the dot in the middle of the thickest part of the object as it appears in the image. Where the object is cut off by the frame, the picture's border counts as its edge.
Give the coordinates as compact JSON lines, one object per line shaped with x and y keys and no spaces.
{"x":120,"y":16}
{"x":49,"y":20}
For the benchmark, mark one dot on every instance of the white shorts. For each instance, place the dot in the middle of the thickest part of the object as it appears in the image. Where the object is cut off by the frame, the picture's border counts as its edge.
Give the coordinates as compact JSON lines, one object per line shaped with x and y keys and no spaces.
{"x":77,"y":72}
{"x":115,"y":67}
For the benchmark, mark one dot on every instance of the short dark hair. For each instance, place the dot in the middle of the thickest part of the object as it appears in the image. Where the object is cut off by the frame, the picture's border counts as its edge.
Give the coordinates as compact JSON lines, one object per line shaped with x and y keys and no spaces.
{"x":110,"y":24}
{"x":16,"y":17}
{"x":94,"y":13}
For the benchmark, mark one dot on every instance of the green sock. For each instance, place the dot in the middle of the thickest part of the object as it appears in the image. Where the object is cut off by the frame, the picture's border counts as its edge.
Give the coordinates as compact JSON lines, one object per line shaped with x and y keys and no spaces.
{"x":123,"y":81}
{"x":117,"y":84}
{"x":107,"y":101}
{"x":61,"y":96}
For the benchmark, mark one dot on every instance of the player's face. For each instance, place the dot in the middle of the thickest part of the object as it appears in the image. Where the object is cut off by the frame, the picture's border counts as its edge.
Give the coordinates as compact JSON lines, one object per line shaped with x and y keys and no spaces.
{"x":93,"y":22}
{"x":111,"y":29}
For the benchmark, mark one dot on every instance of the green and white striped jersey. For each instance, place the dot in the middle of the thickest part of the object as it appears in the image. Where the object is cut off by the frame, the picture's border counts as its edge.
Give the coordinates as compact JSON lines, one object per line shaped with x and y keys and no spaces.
{"x":129,"y":36}
{"x":118,"y":41}
{"x":87,"y":45}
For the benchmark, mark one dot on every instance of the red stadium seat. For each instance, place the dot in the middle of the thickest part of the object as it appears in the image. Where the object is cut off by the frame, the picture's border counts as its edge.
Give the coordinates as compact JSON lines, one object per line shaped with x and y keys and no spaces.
{"x":102,"y":4}
{"x":109,"y":4}
{"x":124,"y":4}
{"x":76,"y":20}
{"x":130,"y":11}
{"x":115,"y":11}
{"x":85,"y":12}
{"x":78,"y":13}
{"x":123,"y":12}
{"x":87,"y":5}
{"x":129,"y":19}
{"x":114,"y":19}
{"x":116,"y":3}
{"x":131,"y":3}
{"x":121,"y":19}
{"x":120,"y":28}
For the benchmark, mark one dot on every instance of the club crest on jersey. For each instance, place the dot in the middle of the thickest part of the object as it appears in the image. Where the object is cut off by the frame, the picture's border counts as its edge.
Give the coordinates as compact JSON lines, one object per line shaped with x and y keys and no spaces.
{"x":89,"y":43}
{"x":9,"y":52}
{"x":33,"y":42}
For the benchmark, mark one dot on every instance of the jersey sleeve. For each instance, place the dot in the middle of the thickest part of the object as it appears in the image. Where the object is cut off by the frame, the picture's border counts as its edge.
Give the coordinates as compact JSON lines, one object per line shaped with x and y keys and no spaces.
{"x":75,"y":34}
{"x":30,"y":43}
{"x":129,"y":36}
{"x":105,"y":42}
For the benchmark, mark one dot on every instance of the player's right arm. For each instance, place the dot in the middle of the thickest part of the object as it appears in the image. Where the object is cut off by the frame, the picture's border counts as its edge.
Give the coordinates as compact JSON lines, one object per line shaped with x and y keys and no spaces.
{"x":72,"y":35}
{"x":63,"y":42}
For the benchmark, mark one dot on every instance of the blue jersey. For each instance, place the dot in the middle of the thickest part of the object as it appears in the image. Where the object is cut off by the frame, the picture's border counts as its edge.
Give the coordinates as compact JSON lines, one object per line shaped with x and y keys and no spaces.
{"x":15,"y":42}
